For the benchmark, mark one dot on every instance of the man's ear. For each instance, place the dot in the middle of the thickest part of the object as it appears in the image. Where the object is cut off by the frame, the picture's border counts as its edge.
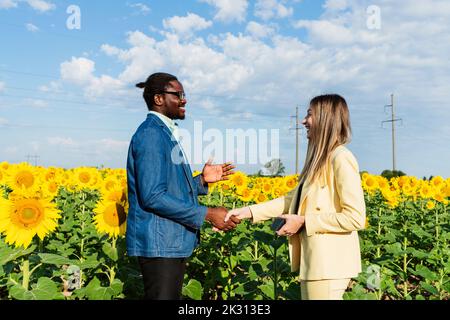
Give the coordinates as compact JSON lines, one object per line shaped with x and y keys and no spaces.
{"x":158,"y":99}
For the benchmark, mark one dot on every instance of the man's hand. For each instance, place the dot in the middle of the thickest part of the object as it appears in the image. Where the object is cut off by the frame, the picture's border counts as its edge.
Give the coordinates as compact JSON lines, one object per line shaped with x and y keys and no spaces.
{"x":216,"y":217}
{"x":293,"y":224}
{"x":240,"y":213}
{"x":216,"y":172}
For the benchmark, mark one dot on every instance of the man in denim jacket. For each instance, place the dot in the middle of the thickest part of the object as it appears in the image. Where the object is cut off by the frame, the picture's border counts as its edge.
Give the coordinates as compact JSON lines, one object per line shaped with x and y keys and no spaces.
{"x":164,"y":218}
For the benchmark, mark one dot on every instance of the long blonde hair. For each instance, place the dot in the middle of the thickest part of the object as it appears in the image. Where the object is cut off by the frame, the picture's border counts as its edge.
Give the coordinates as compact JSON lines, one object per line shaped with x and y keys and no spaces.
{"x":330,"y":129}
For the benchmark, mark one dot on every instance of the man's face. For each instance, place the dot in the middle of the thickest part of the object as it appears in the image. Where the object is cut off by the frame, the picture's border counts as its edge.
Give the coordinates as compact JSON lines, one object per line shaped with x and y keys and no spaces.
{"x":173,"y":106}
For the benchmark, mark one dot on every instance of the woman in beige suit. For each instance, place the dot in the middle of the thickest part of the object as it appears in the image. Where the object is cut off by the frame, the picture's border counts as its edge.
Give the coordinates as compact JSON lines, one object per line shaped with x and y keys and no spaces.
{"x":325,"y":210}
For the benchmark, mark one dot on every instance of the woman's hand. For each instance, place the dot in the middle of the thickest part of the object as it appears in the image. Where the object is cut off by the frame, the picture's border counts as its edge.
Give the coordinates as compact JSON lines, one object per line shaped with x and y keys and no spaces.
{"x":293,"y":224}
{"x":240,"y":213}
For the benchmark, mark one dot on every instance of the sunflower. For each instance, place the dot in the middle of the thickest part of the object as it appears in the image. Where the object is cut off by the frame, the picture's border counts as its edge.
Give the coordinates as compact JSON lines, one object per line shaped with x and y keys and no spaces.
{"x":22,"y":217}
{"x":267,"y":187}
{"x":84,"y":177}
{"x":50,"y":174}
{"x":259,"y":197}
{"x":2,"y":177}
{"x":383,"y":183}
{"x":116,"y":194}
{"x":110,"y":183}
{"x":245,"y":194}
{"x":437,"y":181}
{"x":369,"y":183}
{"x":111,"y":217}
{"x":196,"y":173}
{"x":426,"y":191}
{"x":50,"y":188}
{"x":291,"y":182}
{"x":4,"y":165}
{"x":430,"y":205}
{"x":238,"y":179}
{"x":23,"y":176}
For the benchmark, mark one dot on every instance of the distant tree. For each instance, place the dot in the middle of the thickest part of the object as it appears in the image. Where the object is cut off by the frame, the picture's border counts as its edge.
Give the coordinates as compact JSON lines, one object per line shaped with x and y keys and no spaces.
{"x":388,"y":174}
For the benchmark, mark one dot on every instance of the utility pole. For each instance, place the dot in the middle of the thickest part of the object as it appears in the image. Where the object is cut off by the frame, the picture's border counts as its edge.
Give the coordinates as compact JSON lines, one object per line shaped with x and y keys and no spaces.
{"x":297,"y":146}
{"x":392,"y":121}
{"x":35,"y":157}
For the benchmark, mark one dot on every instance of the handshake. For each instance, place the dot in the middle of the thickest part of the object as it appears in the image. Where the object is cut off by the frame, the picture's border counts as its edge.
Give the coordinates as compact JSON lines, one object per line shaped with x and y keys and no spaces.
{"x":224,"y":220}
{"x":216,"y":216}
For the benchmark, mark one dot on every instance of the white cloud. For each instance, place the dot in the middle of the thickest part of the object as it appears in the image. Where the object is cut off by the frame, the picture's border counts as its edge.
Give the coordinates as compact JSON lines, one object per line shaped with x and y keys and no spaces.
{"x":336,"y":4}
{"x":97,"y":148}
{"x":258,"y":30}
{"x":112,"y":145}
{"x":229,"y":10}
{"x":268,"y":9}
{"x":11,"y":150}
{"x":31,"y":27}
{"x":53,"y":86}
{"x":327,"y":32}
{"x":41,"y":5}
{"x":8,"y":4}
{"x":246,"y":74}
{"x":80,"y":71}
{"x":186,"y":26}
{"x":143,"y":9}
{"x":61,"y":141}
{"x":36,"y":103}
{"x":110,"y":50}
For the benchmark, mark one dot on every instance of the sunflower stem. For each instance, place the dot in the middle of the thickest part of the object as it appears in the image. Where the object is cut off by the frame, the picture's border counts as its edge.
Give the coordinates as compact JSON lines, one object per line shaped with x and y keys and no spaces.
{"x":112,"y":272}
{"x":32,"y":270}
{"x":436,"y":211}
{"x":26,"y":273}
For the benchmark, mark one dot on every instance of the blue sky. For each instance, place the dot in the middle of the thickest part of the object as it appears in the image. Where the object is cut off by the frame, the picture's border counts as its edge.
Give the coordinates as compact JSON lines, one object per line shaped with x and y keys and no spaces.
{"x":68,"y":96}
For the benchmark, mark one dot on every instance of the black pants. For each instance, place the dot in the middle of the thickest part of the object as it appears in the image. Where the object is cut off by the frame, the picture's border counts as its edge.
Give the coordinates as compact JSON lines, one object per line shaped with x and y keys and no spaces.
{"x":163,"y":277}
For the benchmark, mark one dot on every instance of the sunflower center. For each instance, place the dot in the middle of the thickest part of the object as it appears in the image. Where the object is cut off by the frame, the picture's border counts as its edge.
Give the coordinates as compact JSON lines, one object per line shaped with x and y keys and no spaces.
{"x":110,"y":185}
{"x":29,"y":214}
{"x":115,"y":215}
{"x":84,"y":177}
{"x":52,"y":187}
{"x":25,"y":178}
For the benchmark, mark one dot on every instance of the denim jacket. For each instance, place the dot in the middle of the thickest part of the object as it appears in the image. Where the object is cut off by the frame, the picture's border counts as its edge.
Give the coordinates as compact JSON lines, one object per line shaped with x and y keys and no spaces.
{"x":164,"y":217}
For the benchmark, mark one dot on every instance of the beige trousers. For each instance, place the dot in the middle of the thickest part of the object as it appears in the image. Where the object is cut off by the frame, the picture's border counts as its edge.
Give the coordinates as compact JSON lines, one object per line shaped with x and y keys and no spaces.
{"x":323,"y":289}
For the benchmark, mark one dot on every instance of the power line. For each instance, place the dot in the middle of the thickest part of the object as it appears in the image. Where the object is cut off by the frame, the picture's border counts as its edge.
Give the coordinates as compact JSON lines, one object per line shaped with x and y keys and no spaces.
{"x":226,"y":97}
{"x":392,"y":121}
{"x":296,"y":128}
{"x":57,"y":100}
{"x":22,"y":126}
{"x":35,"y":157}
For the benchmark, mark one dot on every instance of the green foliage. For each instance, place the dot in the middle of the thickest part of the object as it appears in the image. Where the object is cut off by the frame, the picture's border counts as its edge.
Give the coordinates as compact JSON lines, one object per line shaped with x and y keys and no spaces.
{"x":388,"y":174}
{"x":405,"y":255}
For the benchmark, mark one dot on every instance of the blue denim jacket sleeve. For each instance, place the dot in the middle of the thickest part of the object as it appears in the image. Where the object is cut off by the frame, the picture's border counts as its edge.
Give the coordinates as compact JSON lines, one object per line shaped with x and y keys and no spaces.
{"x":152,"y":161}
{"x":201,"y":189}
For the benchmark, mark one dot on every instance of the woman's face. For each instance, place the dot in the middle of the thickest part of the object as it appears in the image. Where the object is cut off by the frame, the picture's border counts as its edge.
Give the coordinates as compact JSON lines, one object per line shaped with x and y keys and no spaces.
{"x":308,"y":123}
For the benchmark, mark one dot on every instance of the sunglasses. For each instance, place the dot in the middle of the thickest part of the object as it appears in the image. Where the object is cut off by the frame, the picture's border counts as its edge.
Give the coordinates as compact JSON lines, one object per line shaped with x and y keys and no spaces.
{"x":180,"y":94}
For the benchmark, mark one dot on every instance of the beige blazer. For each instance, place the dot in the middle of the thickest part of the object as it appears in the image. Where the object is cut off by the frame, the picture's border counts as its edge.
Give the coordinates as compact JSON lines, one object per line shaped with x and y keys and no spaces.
{"x":334,"y":209}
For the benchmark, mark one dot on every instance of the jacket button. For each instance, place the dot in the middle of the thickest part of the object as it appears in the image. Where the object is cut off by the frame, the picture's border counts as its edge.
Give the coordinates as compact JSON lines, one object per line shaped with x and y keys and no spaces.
{"x":318,"y":209}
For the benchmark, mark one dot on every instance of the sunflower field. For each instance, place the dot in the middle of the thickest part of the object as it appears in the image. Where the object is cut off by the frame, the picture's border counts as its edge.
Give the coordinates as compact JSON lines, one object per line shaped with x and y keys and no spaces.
{"x":62,"y":238}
